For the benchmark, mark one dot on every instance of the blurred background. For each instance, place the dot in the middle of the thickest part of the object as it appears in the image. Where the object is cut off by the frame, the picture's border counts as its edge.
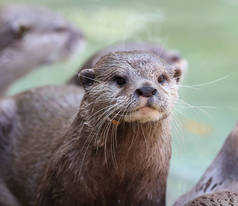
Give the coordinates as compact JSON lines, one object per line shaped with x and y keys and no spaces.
{"x":206,"y":34}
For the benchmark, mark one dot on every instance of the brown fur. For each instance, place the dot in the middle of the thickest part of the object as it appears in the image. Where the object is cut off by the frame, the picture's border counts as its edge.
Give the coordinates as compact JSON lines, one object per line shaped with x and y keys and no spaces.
{"x":221,"y":175}
{"x":69,"y":154}
{"x":30,"y":37}
{"x":29,"y":122}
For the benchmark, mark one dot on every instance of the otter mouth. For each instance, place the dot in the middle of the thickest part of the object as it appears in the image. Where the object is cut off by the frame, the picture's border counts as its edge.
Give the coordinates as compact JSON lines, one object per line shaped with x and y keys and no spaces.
{"x":144,"y":114}
{"x":145,"y":109}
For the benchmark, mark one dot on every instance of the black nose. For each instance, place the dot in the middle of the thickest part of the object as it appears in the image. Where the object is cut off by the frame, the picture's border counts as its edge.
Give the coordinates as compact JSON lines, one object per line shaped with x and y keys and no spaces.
{"x":146,"y":91}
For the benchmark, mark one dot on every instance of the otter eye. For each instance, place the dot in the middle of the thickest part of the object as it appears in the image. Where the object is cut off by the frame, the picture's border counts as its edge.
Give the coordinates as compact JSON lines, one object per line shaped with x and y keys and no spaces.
{"x":21,"y":30}
{"x":162,"y":79}
{"x":120,"y":80}
{"x":60,"y":29}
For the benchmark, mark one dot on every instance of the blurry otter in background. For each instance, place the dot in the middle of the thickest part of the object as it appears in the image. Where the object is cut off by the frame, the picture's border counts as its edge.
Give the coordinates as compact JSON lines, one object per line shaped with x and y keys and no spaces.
{"x":172,"y":57}
{"x":33,"y":36}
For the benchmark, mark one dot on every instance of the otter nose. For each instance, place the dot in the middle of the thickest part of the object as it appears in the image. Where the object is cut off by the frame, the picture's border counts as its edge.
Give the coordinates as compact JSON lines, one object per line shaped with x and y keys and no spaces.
{"x":146,"y":91}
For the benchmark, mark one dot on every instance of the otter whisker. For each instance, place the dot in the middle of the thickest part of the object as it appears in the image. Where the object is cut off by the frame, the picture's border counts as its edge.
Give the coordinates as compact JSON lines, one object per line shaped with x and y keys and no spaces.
{"x":89,"y":141}
{"x":90,"y":78}
{"x":177,"y":126}
{"x":132,"y":139}
{"x":194,"y":86}
{"x":105,"y":109}
{"x":144,"y":137}
{"x":165,"y":90}
{"x":105,"y":137}
{"x":114,"y":139}
{"x":178,"y":112}
{"x":94,"y":123}
{"x":86,"y":150}
{"x":199,"y":108}
{"x":134,"y":132}
{"x":196,"y":106}
{"x":106,"y":128}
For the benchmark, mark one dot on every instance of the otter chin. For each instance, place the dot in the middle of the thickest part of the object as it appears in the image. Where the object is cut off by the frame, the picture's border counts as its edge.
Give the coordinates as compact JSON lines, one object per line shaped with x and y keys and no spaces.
{"x":143,"y":115}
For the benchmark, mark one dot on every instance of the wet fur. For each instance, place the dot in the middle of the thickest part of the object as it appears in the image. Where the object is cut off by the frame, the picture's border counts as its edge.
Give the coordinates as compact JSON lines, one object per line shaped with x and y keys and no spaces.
{"x":170,"y":56}
{"x":106,"y":164}
{"x":26,"y":136}
{"x":64,"y":150}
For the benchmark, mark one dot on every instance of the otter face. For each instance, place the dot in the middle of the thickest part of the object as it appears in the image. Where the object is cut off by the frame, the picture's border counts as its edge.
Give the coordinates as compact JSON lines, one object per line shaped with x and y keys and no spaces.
{"x":41,"y":33}
{"x":131,"y":86}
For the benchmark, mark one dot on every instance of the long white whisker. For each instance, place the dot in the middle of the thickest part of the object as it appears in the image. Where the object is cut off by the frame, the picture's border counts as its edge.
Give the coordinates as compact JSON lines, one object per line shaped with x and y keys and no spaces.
{"x":205,"y":83}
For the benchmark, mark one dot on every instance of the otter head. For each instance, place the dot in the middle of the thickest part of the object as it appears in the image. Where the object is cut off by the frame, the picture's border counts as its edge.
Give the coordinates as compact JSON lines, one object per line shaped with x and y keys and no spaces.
{"x":133,"y":86}
{"x":39,"y":32}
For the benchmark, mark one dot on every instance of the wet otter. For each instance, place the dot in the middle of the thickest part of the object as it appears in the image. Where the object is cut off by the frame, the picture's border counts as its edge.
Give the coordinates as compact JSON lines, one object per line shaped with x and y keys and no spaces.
{"x":23,"y":119}
{"x":170,"y":56}
{"x":219,"y":183}
{"x":112,"y":147}
{"x":225,"y":198}
{"x":32,"y":36}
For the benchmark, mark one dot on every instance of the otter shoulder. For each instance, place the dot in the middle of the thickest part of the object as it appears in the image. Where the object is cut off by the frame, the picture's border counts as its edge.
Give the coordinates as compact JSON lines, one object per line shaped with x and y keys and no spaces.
{"x":37,"y":106}
{"x":54,"y":101}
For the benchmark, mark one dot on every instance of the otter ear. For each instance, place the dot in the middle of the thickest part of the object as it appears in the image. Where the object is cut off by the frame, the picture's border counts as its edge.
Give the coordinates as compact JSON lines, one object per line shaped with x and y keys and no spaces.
{"x":86,"y":77}
{"x":177,"y":60}
{"x":177,"y":74}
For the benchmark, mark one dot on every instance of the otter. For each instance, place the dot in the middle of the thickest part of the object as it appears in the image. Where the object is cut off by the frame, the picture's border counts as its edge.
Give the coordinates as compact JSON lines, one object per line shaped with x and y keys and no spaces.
{"x":31,"y":37}
{"x":225,"y":198}
{"x":219,"y":183}
{"x":23,"y":133}
{"x":107,"y":145}
{"x":170,"y":56}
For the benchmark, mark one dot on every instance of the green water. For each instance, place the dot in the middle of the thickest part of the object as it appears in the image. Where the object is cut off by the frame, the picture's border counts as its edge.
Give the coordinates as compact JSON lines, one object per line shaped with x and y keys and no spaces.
{"x":206,"y":33}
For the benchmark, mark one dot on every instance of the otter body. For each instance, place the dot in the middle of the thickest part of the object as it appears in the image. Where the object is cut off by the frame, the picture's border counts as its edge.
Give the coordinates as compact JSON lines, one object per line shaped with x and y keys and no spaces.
{"x":33,"y":36}
{"x":219,"y":183}
{"x":28,"y":128}
{"x":225,"y":198}
{"x":108,"y":145}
